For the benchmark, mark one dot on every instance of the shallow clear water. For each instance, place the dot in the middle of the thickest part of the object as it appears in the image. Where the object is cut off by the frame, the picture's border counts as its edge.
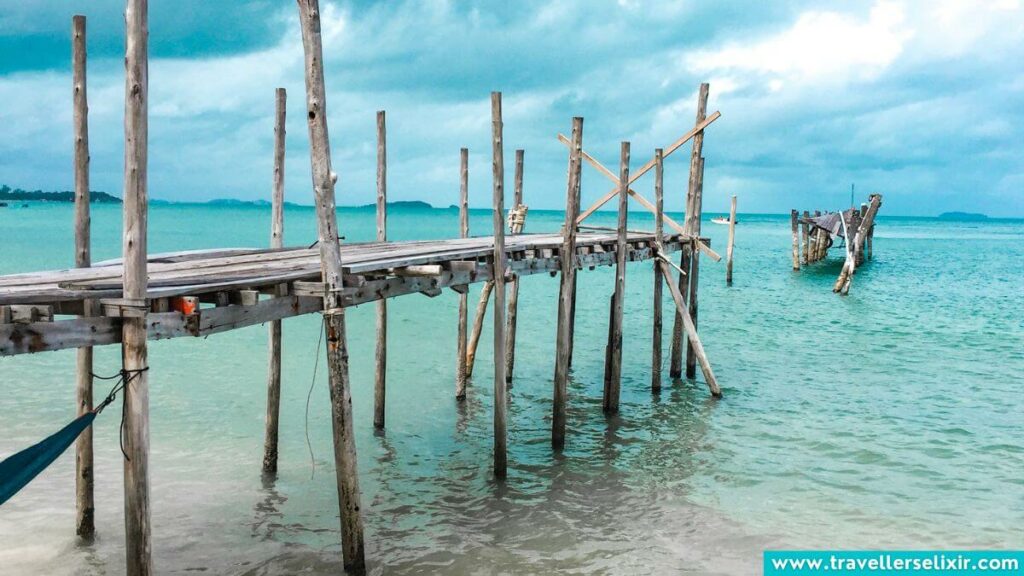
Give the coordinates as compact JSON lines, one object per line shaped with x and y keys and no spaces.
{"x":890,"y":418}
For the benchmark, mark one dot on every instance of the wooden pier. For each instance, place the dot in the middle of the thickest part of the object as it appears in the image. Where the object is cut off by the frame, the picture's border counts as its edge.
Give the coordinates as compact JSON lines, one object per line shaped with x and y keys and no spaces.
{"x":143,"y":298}
{"x":856,"y":226}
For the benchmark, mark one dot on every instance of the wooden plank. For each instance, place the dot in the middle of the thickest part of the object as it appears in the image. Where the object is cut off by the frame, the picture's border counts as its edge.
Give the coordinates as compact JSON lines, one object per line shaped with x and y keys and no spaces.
{"x":567,"y":289}
{"x":352,"y":538}
{"x":498,"y":163}
{"x":460,"y":353}
{"x":613,"y":380}
{"x":659,"y":233}
{"x":271,"y":421}
{"x":381,"y":354}
{"x":85,"y":525}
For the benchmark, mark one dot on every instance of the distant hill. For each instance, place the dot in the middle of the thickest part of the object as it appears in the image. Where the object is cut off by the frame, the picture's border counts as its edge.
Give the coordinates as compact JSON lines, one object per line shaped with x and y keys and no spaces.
{"x":95,"y":196}
{"x":969,"y":216}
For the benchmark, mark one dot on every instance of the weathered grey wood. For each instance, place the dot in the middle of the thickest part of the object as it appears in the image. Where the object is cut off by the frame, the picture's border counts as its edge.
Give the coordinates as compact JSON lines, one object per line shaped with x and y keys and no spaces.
{"x":697,"y":129}
{"x":85,"y":525}
{"x":796,"y":239}
{"x":352,"y":539}
{"x":567,"y":289}
{"x":135,"y":436}
{"x":271,"y":421}
{"x":694,"y":274}
{"x":854,"y":242}
{"x":692,"y":228}
{"x":691,"y":330}
{"x":732,"y":241}
{"x":805,"y":230}
{"x":498,"y":163}
{"x":478,"y":326}
{"x":381,"y":356}
{"x":613,"y":384}
{"x":460,"y":360}
{"x":513,"y":297}
{"x":819,"y":235}
{"x":659,"y":233}
{"x":859,"y":249}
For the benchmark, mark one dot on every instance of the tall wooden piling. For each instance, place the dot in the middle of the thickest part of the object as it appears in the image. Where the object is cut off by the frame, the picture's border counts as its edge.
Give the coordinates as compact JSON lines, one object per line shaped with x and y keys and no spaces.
{"x":352,"y":543}
{"x":460,"y":360}
{"x":567,"y":288}
{"x":732,"y":241}
{"x":135,"y":437}
{"x":659,"y":234}
{"x":276,"y":241}
{"x":498,"y":162}
{"x":694,"y":276}
{"x":692,"y":227}
{"x":85,"y":525}
{"x":796,"y":239}
{"x":513,"y":297}
{"x":613,"y":384}
{"x":381,"y":357}
{"x":818,"y":240}
{"x":804,"y":228}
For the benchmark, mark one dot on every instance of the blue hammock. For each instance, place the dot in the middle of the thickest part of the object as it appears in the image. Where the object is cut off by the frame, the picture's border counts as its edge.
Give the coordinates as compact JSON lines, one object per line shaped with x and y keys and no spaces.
{"x":19,"y":469}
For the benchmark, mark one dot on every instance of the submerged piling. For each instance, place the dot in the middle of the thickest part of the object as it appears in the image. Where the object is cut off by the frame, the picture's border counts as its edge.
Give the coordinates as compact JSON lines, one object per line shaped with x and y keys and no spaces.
{"x":276,"y":241}
{"x":613,"y":380}
{"x":500,"y":424}
{"x":460,"y":353}
{"x":381,"y":356}
{"x":659,"y":234}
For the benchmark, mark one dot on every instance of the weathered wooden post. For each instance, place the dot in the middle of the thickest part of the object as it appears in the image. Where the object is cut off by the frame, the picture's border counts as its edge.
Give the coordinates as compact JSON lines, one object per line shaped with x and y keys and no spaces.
{"x":460,"y":361}
{"x":796,"y":239}
{"x":859,"y":253}
{"x":691,"y":329}
{"x":732,"y":241}
{"x":854,"y":241}
{"x":135,"y":437}
{"x":613,"y":382}
{"x":694,"y":276}
{"x":659,"y":234}
{"x":513,"y":298}
{"x":807,"y":241}
{"x":676,"y":362}
{"x":818,"y":240}
{"x":478,"y":326}
{"x":85,"y":525}
{"x":567,"y":289}
{"x":500,"y":426}
{"x":276,"y":241}
{"x":380,"y":382}
{"x":334,"y":314}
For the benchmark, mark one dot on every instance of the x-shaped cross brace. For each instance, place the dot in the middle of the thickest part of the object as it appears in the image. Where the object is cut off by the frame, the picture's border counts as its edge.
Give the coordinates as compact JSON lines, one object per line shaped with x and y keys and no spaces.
{"x":643,"y":170}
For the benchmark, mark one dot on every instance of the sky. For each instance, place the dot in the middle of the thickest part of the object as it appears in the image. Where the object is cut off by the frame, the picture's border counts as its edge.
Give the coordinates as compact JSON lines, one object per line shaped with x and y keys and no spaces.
{"x":920,"y":101}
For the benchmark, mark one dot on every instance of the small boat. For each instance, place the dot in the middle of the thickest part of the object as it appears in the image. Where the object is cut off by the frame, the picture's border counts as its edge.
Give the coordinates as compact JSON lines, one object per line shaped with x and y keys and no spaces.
{"x":722,"y":220}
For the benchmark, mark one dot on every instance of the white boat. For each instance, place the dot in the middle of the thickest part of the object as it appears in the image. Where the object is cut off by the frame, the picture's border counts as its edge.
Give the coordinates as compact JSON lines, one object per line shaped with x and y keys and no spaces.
{"x":722,"y":220}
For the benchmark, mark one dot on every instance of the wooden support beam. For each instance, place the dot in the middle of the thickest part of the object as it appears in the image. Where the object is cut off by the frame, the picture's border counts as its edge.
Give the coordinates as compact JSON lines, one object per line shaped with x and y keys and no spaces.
{"x":854,"y":242}
{"x":659,"y":233}
{"x":85,"y":524}
{"x":381,"y":356}
{"x":613,"y":379}
{"x":460,"y":360}
{"x":478,"y":326}
{"x":500,"y":424}
{"x":796,"y":239}
{"x":694,"y":274}
{"x":732,"y":241}
{"x":567,"y":289}
{"x":352,"y":539}
{"x":818,"y":240}
{"x":691,"y":330}
{"x":513,"y":297}
{"x":697,"y":129}
{"x":804,"y":227}
{"x":276,"y":241}
{"x":135,"y":415}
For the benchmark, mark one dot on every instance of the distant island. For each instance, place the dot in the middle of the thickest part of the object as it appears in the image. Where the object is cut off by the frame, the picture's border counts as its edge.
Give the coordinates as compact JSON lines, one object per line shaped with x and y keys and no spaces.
{"x":402,"y":205}
{"x":95,"y":196}
{"x":969,"y":216}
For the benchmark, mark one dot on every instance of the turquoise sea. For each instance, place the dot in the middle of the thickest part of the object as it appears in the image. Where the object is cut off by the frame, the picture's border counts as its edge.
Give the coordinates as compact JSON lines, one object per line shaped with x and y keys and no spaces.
{"x":891,"y":418}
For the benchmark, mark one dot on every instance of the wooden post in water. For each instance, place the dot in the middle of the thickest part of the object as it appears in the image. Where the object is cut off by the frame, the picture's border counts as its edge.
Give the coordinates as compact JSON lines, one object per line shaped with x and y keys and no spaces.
{"x":478,"y":326}
{"x":135,"y":437}
{"x":676,"y":362}
{"x":567,"y":288}
{"x":796,"y":239}
{"x":276,"y":241}
{"x":460,"y":361}
{"x":859,"y":252}
{"x":807,"y":241}
{"x":500,"y":426}
{"x":513,"y":298}
{"x":854,"y":241}
{"x":613,"y":382}
{"x":659,"y":234}
{"x":352,"y":544}
{"x":694,"y":276}
{"x":816,"y":249}
{"x":380,"y":381}
{"x":691,"y":329}
{"x":732,"y":241}
{"x":85,"y":525}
